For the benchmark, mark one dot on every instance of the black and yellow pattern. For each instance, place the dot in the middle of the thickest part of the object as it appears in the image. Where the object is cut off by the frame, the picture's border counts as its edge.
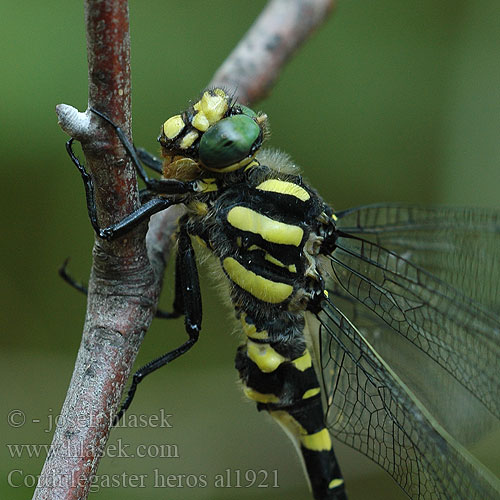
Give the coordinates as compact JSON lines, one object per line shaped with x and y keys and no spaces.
{"x":316,"y":293}
{"x":262,"y":229}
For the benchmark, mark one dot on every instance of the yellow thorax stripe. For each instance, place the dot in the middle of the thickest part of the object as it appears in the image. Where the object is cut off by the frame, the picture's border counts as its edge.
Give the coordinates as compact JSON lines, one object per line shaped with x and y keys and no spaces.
{"x":273,"y":260}
{"x":271,"y":230}
{"x":284,"y":187}
{"x":260,"y":287}
{"x":188,"y":140}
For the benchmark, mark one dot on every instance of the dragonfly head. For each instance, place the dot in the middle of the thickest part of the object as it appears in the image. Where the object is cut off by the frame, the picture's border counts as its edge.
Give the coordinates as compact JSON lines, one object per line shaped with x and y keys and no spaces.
{"x":215,"y":133}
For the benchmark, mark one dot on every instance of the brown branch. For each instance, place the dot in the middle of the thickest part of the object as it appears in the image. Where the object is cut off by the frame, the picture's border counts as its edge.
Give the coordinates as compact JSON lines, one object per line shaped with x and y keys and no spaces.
{"x":125,"y":281}
{"x":252,"y":68}
{"x":122,"y":288}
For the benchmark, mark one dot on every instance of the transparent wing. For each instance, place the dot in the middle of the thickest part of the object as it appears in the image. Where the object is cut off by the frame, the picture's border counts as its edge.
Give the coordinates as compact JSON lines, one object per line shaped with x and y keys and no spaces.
{"x":371,"y":410}
{"x":458,"y":332}
{"x":461,"y":246}
{"x":453,"y":405}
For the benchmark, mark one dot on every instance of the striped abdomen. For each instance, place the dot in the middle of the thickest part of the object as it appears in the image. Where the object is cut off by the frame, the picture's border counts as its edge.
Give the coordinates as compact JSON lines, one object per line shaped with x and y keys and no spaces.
{"x":262,"y":238}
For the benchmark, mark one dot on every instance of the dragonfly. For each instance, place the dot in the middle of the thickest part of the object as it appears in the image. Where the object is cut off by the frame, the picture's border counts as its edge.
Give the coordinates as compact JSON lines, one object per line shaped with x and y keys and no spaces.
{"x":358,"y":325}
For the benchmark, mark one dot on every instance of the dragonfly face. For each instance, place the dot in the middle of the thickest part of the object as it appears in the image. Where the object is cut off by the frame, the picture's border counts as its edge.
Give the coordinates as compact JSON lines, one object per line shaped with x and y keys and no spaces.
{"x":309,"y":285}
{"x":218,"y":134}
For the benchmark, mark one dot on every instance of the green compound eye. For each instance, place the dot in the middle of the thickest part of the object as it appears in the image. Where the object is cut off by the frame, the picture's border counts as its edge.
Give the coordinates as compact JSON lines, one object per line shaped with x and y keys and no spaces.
{"x":228,"y":141}
{"x":247,"y":111}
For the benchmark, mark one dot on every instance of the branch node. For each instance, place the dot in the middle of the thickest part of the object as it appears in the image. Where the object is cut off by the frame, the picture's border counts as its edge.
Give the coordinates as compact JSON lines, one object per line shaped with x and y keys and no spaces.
{"x":73,"y":122}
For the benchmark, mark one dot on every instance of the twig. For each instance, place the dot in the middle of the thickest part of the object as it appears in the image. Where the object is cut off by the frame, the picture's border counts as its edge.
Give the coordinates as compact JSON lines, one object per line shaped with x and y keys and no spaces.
{"x":125,"y":281}
{"x":122,"y":288}
{"x":256,"y":62}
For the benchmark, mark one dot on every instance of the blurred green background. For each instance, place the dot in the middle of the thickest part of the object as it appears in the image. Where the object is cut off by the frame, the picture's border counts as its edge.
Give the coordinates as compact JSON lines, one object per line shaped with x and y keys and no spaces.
{"x":393,"y":100}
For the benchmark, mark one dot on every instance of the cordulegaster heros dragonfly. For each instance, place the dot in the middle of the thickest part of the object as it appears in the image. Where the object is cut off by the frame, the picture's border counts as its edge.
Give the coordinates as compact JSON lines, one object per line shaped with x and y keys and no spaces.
{"x":346,"y":314}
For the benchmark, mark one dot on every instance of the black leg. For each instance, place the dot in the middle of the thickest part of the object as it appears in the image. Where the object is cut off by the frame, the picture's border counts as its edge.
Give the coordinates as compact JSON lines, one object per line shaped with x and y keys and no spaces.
{"x":63,"y":273}
{"x":187,"y":283}
{"x":149,"y":160}
{"x":89,"y":186}
{"x":150,"y":368}
{"x":163,"y":186}
{"x":188,"y":297}
{"x":127,"y":145}
{"x":135,"y":218}
{"x":188,"y":302}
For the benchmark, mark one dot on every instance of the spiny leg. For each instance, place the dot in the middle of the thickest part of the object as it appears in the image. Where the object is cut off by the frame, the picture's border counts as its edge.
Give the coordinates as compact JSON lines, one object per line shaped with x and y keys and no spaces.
{"x":149,"y":208}
{"x":187,"y":301}
{"x":157,"y":185}
{"x":149,"y":160}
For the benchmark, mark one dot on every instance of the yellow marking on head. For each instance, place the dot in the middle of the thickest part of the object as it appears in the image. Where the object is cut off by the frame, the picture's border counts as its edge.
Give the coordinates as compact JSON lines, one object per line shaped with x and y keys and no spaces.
{"x":304,"y":362}
{"x":259,"y":397}
{"x":220,"y":92}
{"x":319,"y":441}
{"x":188,"y":139}
{"x":269,"y":229}
{"x":284,"y":187}
{"x":173,"y":126}
{"x":264,"y":356}
{"x":335,"y":218}
{"x":263,"y":289}
{"x":335,"y":483}
{"x":212,"y":106}
{"x":200,"y":121}
{"x":311,"y":393}
{"x":325,"y":293}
